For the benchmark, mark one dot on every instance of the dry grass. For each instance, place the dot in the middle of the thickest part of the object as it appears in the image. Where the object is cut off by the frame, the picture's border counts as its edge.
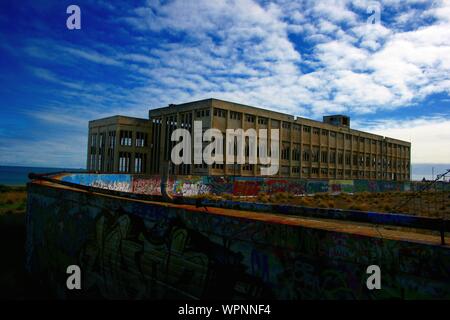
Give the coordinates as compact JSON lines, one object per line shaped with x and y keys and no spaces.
{"x":433,"y":204}
{"x":262,"y":197}
{"x":227,"y":196}
{"x":12,"y":197}
{"x":12,"y":200}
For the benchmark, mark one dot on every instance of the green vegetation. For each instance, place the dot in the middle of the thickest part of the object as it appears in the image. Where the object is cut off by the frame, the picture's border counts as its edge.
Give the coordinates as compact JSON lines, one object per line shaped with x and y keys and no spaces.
{"x":13,"y":202}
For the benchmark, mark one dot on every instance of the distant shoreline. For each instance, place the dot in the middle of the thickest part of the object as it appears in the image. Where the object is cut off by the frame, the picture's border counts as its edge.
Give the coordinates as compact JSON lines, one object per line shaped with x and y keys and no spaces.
{"x":16,"y":176}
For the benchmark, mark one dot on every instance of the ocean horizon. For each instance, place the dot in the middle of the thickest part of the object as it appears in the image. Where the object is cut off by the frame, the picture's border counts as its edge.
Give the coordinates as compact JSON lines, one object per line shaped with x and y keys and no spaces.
{"x":18,"y":175}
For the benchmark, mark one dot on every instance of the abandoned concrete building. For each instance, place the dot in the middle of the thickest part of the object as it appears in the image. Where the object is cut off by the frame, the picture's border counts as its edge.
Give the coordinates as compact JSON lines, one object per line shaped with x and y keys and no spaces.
{"x":309,"y":149}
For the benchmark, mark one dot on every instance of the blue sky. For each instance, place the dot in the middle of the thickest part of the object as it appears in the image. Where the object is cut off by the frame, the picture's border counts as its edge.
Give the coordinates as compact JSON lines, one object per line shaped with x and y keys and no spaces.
{"x":307,"y":58}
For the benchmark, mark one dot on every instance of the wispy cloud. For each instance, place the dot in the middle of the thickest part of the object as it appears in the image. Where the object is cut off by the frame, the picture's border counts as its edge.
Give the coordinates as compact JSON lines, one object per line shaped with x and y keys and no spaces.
{"x":67,"y":151}
{"x":428,"y":136}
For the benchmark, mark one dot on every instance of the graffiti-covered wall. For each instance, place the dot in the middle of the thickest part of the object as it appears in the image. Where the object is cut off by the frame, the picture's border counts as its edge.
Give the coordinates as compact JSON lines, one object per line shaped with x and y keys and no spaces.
{"x":136,"y":249}
{"x":238,"y":186}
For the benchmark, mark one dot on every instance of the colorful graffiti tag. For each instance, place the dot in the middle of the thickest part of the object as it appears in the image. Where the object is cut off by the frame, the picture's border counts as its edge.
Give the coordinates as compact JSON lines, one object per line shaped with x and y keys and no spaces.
{"x":238,"y":186}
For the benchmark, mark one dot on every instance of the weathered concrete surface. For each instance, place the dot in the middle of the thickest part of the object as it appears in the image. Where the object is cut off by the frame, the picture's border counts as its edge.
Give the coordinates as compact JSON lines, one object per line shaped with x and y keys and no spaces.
{"x":141,"y":249}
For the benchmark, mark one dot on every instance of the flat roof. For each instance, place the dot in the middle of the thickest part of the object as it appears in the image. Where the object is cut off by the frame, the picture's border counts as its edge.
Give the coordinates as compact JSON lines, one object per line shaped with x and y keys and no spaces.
{"x":118,"y":117}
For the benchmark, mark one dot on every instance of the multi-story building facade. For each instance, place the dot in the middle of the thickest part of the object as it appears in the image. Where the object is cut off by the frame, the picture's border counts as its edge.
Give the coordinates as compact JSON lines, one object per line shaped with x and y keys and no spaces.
{"x":118,"y":144}
{"x":308,"y":149}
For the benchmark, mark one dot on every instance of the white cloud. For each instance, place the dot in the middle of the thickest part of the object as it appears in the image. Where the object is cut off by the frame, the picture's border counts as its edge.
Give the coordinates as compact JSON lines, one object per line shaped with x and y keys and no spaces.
{"x":428,"y":136}
{"x":244,"y":51}
{"x":361,"y":68}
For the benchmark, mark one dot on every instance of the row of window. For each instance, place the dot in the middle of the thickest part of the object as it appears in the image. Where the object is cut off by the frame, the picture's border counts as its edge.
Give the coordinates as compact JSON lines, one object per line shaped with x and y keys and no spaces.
{"x":307,"y":171}
{"x":389,"y":165}
{"x":307,"y":129}
{"x":286,"y":125}
{"x":325,"y":157}
{"x":235,"y":115}
{"x":126,"y":139}
{"x":202,"y":113}
{"x":141,"y":139}
{"x":140,"y":160}
{"x":332,"y":157}
{"x":249,"y":118}
{"x":220,"y":113}
{"x":96,"y":163}
{"x":263,"y":121}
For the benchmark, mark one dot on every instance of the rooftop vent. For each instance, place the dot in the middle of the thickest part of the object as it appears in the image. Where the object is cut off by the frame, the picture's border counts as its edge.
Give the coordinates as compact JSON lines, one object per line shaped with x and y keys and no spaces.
{"x":337,"y":120}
